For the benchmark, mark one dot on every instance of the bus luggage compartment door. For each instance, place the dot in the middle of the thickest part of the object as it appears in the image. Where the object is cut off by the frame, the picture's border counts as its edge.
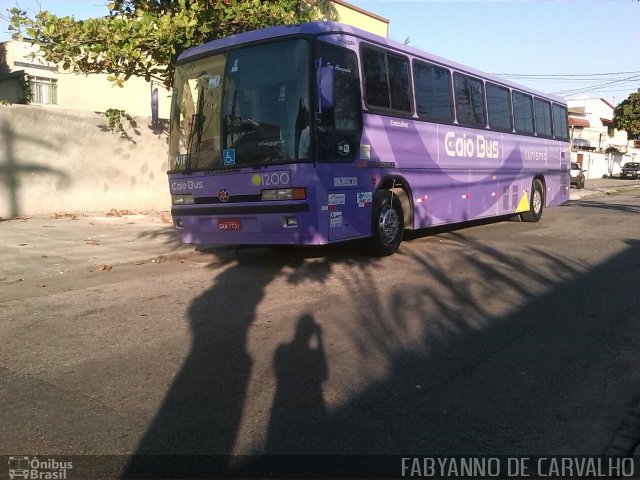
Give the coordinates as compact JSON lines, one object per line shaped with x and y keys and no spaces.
{"x":348,"y":214}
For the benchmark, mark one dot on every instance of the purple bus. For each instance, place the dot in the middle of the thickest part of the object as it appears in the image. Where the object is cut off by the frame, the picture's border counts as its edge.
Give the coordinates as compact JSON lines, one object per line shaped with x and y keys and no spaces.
{"x":321,"y":132}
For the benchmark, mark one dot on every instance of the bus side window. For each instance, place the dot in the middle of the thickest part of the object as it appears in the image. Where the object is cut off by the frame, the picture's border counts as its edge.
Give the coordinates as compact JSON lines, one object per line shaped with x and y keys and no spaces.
{"x":469,"y":92}
{"x":543,"y":117}
{"x":433,"y":92}
{"x":499,"y":108}
{"x":560,"y":129}
{"x":523,"y":112}
{"x":340,"y":125}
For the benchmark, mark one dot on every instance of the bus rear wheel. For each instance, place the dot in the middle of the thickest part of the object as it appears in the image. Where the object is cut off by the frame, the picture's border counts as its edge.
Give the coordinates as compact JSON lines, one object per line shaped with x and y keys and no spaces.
{"x":388,"y":223}
{"x":536,"y":203}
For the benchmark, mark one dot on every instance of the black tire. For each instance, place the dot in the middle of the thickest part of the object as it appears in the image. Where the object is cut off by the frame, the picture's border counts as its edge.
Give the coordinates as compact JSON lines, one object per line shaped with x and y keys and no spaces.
{"x":387,"y":225}
{"x":536,"y":203}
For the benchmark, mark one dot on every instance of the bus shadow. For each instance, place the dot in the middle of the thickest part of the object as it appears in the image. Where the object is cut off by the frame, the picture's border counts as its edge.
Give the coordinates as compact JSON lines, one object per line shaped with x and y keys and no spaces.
{"x":431,"y":231}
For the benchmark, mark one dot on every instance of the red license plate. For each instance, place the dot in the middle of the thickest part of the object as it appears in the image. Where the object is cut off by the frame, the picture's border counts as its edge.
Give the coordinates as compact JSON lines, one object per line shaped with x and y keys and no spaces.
{"x":229,"y":225}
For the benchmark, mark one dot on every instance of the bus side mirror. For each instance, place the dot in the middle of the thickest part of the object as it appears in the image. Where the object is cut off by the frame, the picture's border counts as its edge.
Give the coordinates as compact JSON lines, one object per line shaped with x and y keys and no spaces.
{"x":324,"y":81}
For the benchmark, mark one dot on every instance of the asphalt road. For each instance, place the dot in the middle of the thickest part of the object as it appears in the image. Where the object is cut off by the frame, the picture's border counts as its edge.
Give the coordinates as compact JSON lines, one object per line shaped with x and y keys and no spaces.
{"x":499,"y":338}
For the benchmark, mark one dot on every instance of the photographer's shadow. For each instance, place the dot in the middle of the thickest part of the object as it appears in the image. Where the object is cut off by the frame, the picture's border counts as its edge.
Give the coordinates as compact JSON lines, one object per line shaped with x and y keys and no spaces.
{"x":298,"y":423}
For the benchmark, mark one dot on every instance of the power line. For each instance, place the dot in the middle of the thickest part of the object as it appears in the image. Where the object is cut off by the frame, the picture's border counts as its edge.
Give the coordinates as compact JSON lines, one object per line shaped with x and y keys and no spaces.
{"x":563,"y":75}
{"x":628,"y":80}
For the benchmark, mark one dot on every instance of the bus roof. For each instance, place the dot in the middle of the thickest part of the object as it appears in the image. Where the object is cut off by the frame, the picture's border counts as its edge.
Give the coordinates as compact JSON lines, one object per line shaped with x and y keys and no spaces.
{"x":324,"y":28}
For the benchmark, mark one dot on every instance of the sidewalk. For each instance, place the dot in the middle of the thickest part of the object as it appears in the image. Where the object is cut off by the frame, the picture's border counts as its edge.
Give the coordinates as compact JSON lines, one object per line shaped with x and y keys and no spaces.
{"x":51,"y":246}
{"x":603,"y":186}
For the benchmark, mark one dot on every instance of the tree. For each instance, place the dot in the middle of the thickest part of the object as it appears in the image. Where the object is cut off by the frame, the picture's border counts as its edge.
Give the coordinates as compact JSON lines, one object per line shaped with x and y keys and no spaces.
{"x":144,"y":37}
{"x":626,"y":116}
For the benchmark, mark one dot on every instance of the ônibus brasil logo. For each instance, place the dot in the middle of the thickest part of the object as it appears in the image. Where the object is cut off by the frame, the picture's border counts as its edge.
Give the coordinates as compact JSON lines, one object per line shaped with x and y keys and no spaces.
{"x":34,"y":468}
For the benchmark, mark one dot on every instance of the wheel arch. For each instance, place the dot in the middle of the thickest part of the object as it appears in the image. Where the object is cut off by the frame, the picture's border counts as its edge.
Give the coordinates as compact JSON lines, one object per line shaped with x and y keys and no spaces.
{"x":401,"y":188}
{"x":540,"y":176}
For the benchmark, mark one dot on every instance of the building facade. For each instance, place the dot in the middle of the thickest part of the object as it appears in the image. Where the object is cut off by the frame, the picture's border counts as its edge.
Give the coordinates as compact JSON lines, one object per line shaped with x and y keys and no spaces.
{"x":596,"y":144}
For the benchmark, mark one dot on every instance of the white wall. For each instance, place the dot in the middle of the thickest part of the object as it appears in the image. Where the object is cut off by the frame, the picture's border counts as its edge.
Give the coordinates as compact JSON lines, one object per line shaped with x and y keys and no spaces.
{"x":599,"y":165}
{"x":54,"y":160}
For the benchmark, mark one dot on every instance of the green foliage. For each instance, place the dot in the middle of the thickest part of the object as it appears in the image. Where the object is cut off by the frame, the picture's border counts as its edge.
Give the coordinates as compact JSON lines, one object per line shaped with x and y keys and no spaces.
{"x":626,"y":116}
{"x":144,"y":37}
{"x":115,"y":117}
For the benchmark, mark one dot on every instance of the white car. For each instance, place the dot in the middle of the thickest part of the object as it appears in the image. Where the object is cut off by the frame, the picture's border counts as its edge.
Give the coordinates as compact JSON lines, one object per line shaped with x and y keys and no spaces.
{"x":577,"y":175}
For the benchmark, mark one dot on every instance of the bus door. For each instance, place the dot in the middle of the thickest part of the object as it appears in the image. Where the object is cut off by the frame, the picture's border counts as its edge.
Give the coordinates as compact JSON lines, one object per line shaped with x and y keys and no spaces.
{"x":338,"y":134}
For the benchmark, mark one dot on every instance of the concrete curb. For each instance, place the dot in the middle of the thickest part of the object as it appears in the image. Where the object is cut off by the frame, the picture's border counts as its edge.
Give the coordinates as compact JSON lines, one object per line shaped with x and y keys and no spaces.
{"x":598,"y":192}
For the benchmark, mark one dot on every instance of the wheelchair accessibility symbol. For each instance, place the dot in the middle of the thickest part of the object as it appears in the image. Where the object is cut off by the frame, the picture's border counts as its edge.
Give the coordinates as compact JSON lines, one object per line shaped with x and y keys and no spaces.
{"x":229,"y":156}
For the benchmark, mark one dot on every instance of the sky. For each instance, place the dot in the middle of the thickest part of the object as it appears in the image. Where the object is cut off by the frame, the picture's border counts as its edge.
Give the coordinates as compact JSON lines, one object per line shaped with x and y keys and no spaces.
{"x":574,"y":48}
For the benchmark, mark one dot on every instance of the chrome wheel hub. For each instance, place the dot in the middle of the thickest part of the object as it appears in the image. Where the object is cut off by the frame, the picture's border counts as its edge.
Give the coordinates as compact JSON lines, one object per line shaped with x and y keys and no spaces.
{"x":388,"y":224}
{"x":537,"y":201}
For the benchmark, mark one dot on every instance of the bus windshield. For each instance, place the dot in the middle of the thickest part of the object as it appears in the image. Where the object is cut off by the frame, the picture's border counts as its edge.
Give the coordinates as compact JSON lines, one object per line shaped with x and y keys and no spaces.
{"x":250,"y":106}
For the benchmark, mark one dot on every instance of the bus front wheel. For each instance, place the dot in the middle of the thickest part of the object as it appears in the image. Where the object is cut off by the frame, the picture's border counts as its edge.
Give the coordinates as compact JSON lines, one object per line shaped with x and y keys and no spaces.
{"x":388,"y":223}
{"x":536,"y":203}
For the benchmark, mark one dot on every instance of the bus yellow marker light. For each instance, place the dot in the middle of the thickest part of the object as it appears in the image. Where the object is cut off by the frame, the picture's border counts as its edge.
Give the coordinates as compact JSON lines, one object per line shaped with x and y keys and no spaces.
{"x":256,"y":180}
{"x":523,"y":206}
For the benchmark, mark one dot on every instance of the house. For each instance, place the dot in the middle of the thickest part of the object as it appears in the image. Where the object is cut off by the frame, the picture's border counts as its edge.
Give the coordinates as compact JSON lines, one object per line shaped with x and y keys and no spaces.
{"x":596,"y":144}
{"x":50,"y":85}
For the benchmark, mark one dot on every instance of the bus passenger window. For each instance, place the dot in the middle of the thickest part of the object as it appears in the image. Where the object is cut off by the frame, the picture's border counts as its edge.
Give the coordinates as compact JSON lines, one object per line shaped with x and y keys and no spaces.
{"x":386,"y":80}
{"x":560,"y":129}
{"x":433,"y":92}
{"x":499,"y":108}
{"x":376,"y":85}
{"x":543,"y":117}
{"x":399,"y":83}
{"x":523,"y":112}
{"x":469,"y":100}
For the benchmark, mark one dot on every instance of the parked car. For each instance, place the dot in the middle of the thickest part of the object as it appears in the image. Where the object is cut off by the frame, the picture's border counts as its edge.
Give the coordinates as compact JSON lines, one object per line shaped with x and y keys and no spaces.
{"x":630,"y":170}
{"x":577,"y":175}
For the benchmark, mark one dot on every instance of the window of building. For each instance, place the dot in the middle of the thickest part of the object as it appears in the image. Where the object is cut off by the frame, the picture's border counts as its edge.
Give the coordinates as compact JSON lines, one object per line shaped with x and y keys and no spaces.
{"x":560,"y":129}
{"x":470,"y":109}
{"x":433,"y":92}
{"x":43,"y":90}
{"x":386,"y":80}
{"x":543,"y":117}
{"x":523,"y":112}
{"x":499,"y":108}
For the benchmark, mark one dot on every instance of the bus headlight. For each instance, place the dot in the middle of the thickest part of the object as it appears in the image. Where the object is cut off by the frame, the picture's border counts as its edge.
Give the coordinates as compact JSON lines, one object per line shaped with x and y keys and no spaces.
{"x":285,"y":194}
{"x":184,"y":199}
